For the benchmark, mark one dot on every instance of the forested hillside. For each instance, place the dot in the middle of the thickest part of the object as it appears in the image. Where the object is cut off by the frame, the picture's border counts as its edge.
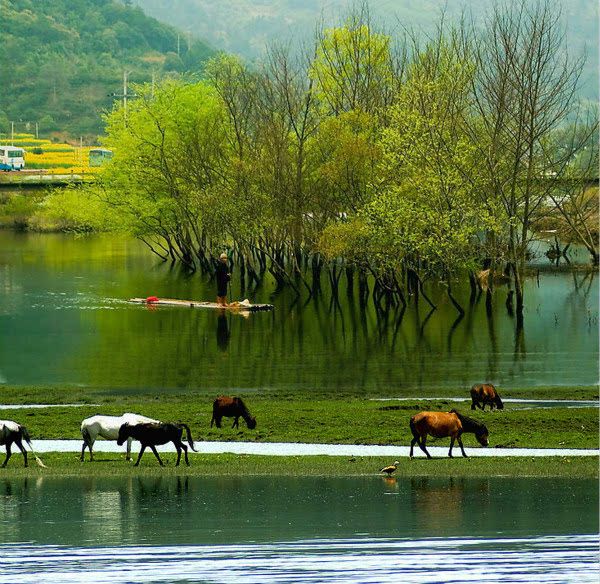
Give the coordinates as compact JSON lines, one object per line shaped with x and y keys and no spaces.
{"x":62,"y":59}
{"x":246,"y":27}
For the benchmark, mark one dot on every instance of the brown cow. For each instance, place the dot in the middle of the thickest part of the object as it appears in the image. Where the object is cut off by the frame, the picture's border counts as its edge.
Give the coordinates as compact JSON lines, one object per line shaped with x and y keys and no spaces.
{"x":483,"y":394}
{"x":441,"y":425}
{"x":231,"y":407}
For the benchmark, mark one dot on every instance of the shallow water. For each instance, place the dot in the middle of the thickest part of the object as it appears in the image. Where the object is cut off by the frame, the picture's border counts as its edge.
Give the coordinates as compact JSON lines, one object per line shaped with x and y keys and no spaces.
{"x":296,"y":449}
{"x":65,"y":320}
{"x":306,"y":529}
{"x":545,"y":559}
{"x":522,"y":404}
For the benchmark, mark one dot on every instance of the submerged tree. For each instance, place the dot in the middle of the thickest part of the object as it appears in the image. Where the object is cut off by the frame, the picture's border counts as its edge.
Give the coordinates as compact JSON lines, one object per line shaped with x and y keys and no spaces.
{"x":524,"y":88}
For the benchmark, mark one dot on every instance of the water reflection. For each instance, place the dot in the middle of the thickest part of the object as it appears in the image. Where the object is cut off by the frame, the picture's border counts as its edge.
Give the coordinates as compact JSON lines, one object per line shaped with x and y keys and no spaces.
{"x":196,"y":510}
{"x":64,"y":302}
{"x":222,"y":331}
{"x":260,"y":529}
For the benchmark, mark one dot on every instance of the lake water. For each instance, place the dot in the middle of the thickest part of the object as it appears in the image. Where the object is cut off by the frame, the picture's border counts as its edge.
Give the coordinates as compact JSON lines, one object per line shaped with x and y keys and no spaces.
{"x":65,"y":320}
{"x":283,"y":529}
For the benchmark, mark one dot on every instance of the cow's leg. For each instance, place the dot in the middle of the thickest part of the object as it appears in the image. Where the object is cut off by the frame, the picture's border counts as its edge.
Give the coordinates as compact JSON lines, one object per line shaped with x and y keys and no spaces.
{"x":128,"y":453}
{"x":140,"y":455}
{"x":8,"y":455}
{"x":87,"y":444}
{"x":178,"y":447}
{"x":461,"y":446}
{"x":422,"y":443}
{"x":412,"y":444}
{"x":156,"y":454}
{"x":236,"y":422}
{"x":185,"y":451}
{"x":452,"y":438}
{"x":473,"y":403}
{"x":20,"y":445}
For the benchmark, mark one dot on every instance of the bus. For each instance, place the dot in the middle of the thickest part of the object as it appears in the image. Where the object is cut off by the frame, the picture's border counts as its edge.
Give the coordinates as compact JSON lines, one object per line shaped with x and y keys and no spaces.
{"x":99,"y":155}
{"x":12,"y":158}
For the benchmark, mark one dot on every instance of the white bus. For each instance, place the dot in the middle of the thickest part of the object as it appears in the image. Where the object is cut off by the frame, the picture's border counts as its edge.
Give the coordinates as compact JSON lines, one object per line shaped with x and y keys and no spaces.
{"x":12,"y":158}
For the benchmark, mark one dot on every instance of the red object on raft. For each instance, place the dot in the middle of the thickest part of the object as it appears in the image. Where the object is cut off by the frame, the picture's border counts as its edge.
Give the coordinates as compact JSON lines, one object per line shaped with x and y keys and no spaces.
{"x":152,"y":299}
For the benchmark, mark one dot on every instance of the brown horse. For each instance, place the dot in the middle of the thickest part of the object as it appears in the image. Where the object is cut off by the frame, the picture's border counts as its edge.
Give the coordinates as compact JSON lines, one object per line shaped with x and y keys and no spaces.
{"x":156,"y":433}
{"x":483,"y":394}
{"x":442,"y":424}
{"x":231,"y":407}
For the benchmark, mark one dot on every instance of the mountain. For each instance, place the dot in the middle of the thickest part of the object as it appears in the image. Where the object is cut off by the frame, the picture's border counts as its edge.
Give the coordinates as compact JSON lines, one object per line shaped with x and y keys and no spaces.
{"x":62,"y":59}
{"x":246,"y":27}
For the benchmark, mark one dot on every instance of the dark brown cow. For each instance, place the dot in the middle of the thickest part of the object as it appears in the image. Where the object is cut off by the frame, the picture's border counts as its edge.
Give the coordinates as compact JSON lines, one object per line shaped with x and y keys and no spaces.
{"x":441,"y":425}
{"x":483,"y":394}
{"x":231,"y":407}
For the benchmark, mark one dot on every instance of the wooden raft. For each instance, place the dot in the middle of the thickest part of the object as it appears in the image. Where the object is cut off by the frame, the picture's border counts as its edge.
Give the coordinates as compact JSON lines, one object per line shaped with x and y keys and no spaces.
{"x":233,"y":306}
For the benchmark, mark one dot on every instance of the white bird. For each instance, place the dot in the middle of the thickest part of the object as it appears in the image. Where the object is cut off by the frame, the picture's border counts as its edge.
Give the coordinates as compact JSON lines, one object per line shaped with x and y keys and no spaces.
{"x":390,"y":469}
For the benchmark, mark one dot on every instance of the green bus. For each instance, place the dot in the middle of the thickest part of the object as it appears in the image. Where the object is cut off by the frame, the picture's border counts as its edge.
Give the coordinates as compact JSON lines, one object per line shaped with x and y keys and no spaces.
{"x":99,"y":155}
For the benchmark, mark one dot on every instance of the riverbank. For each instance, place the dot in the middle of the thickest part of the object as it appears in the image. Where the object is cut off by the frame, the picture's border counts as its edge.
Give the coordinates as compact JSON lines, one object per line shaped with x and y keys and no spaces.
{"x":115,"y":465}
{"x":314,"y":417}
{"x":349,"y":417}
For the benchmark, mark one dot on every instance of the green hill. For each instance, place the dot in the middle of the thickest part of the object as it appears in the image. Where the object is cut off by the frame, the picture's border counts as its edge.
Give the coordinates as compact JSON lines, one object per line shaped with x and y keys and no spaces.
{"x":61,"y":60}
{"x":246,"y":27}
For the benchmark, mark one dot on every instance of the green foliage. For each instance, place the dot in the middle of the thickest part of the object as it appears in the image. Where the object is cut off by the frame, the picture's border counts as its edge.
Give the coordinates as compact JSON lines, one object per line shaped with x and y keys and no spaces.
{"x":61,"y":59}
{"x":352,"y":68}
{"x":74,"y":209}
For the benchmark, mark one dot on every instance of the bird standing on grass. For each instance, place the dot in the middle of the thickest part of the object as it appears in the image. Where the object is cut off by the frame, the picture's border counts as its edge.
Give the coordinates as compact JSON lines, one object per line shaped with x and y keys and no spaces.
{"x":390,"y":469}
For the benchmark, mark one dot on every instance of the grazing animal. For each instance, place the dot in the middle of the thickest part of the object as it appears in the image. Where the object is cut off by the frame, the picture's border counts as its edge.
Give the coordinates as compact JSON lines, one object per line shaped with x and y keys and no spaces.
{"x":108,"y":427}
{"x":13,"y":433}
{"x":231,"y":407}
{"x":440,"y":425}
{"x":483,"y":394}
{"x":390,"y":469}
{"x":156,"y":433}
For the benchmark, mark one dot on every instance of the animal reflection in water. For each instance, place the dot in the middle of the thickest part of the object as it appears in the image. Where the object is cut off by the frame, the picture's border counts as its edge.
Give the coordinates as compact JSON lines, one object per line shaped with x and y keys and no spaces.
{"x":483,"y":394}
{"x":441,"y":425}
{"x":108,"y":427}
{"x":13,"y":433}
{"x":231,"y":407}
{"x":442,"y":504}
{"x":155,"y":434}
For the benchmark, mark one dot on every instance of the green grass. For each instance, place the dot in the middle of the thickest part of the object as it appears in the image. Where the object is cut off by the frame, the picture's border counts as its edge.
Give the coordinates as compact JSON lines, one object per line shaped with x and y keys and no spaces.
{"x":340,"y":419}
{"x":316,"y":417}
{"x":108,"y":464}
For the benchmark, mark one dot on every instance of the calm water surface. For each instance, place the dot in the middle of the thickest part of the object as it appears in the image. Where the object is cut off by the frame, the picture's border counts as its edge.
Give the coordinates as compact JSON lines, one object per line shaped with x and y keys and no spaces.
{"x":233,"y":530}
{"x":65,"y":320}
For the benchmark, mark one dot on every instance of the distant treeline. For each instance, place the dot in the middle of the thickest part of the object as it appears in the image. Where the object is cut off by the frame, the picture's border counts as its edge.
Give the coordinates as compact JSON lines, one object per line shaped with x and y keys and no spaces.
{"x":62,"y":59}
{"x":394,"y":161}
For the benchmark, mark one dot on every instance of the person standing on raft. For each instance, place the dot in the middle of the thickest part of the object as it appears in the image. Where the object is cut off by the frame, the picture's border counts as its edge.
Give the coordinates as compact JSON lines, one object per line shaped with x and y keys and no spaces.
{"x":223,"y":277}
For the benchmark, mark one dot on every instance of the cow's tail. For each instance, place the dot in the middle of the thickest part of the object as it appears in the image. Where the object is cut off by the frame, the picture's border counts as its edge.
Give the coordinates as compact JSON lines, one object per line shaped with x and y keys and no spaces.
{"x":189,"y":436}
{"x":28,"y":441}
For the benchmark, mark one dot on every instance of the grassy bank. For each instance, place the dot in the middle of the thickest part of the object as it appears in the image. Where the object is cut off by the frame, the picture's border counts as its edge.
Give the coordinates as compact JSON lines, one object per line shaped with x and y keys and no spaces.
{"x":114,"y":465}
{"x":312,"y":417}
{"x":346,"y":418}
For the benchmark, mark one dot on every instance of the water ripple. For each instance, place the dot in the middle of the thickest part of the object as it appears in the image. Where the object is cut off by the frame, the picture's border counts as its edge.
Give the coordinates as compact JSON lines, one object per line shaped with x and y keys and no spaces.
{"x":554,"y":559}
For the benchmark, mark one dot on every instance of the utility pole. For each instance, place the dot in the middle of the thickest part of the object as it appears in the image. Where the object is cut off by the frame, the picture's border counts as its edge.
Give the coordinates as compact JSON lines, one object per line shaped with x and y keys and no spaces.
{"x":124,"y":95}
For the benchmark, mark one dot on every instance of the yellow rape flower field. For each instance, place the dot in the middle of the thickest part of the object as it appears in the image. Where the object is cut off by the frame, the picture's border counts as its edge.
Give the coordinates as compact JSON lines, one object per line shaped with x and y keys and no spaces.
{"x":52,"y":157}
